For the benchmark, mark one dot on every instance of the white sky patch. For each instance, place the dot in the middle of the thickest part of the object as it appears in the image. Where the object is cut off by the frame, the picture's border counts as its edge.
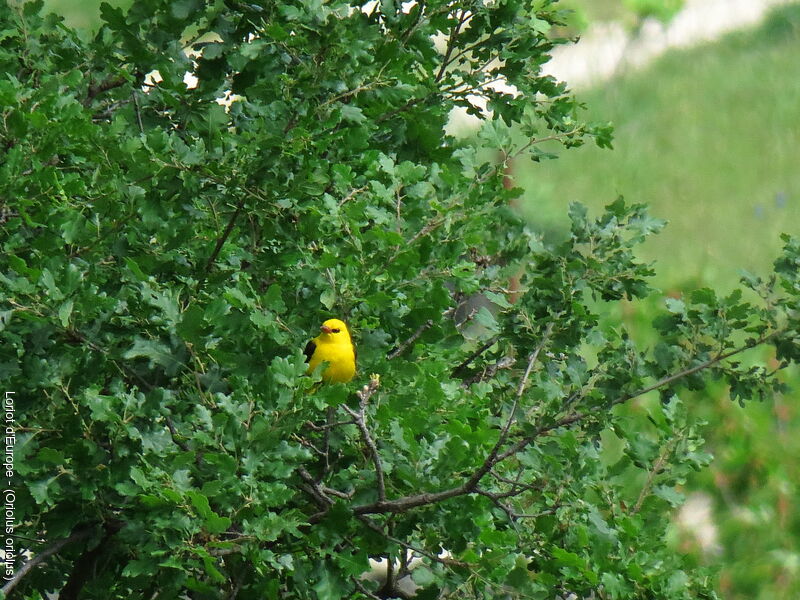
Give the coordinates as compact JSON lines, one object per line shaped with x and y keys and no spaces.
{"x":151,"y":80}
{"x":406,"y":584}
{"x":190,"y":80}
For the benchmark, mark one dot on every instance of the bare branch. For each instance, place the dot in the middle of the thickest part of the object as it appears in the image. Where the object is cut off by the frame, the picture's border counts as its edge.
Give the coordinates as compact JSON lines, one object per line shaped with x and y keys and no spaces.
{"x":481,"y":349}
{"x":491,"y":459}
{"x":54,"y":548}
{"x":353,"y":194}
{"x":414,"y":337}
{"x":360,"y":419}
{"x":462,"y":19}
{"x":221,"y":242}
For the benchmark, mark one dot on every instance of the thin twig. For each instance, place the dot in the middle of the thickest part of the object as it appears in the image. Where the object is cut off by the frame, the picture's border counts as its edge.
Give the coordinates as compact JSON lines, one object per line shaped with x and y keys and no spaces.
{"x":334,"y":492}
{"x":483,"y":348}
{"x":352,"y":194}
{"x":355,"y":91}
{"x":462,"y":19}
{"x":523,"y":382}
{"x":321,"y":492}
{"x":314,"y":489}
{"x":221,"y":242}
{"x":361,"y":422}
{"x":578,"y":416}
{"x":691,"y":371}
{"x":657,"y":467}
{"x":414,"y":337}
{"x":489,"y":372}
{"x":104,"y":86}
{"x":315,"y":427}
{"x":138,"y":111}
{"x":432,"y":224}
{"x":364,"y":590}
{"x":174,"y":434}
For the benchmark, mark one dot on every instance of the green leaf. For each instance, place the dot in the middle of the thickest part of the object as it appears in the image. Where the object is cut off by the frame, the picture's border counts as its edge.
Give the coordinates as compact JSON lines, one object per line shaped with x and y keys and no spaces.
{"x":156,"y":352}
{"x":328,"y":298}
{"x":65,"y":311}
{"x":273,"y":299}
{"x":705,"y":296}
{"x":352,"y":114}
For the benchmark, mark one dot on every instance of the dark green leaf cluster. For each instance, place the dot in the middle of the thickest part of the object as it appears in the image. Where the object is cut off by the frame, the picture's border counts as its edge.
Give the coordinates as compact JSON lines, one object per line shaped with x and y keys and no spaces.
{"x":169,"y":246}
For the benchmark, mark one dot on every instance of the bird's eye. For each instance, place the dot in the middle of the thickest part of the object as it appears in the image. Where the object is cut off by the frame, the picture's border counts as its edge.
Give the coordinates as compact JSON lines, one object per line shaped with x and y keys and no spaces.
{"x":335,"y":330}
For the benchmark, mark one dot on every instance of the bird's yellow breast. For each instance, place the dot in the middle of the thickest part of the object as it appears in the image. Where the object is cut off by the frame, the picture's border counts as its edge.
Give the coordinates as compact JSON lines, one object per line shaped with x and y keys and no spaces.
{"x":340,"y":357}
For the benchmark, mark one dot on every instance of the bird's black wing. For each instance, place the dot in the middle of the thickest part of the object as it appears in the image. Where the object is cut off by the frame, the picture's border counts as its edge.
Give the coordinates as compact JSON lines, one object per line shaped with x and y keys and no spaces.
{"x":309,"y":351}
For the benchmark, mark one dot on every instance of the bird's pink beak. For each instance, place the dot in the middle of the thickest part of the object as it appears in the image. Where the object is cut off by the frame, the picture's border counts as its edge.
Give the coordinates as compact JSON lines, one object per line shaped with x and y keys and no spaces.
{"x":326,"y":329}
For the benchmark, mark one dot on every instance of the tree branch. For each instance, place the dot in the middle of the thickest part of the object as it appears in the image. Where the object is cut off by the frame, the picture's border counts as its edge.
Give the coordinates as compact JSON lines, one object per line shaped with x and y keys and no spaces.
{"x":578,"y":416}
{"x":54,"y":548}
{"x":360,"y":418}
{"x":489,"y":372}
{"x":414,"y":337}
{"x":104,"y":86}
{"x":705,"y":365}
{"x":221,"y":242}
{"x":462,"y":19}
{"x":449,"y":562}
{"x":495,"y":456}
{"x":315,"y":490}
{"x":491,"y":459}
{"x":85,"y":566}
{"x":361,"y":588}
{"x":483,"y":348}
{"x":471,"y":484}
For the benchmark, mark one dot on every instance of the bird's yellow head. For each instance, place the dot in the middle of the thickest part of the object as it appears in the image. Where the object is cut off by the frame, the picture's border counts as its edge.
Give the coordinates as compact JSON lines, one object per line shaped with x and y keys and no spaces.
{"x":334,"y":330}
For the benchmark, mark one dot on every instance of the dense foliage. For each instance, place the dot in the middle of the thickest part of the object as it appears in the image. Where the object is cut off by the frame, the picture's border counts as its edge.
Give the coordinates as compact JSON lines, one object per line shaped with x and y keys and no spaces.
{"x":165,"y":258}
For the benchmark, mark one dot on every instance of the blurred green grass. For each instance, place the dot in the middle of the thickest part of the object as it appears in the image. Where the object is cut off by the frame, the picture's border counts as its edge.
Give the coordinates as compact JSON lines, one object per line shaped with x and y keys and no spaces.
{"x":580,"y":14}
{"x":81,"y":15}
{"x":709,"y":138}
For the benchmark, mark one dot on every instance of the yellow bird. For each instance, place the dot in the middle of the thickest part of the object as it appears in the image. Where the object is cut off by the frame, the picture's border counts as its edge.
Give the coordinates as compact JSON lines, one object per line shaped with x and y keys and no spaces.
{"x":335,"y":347}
